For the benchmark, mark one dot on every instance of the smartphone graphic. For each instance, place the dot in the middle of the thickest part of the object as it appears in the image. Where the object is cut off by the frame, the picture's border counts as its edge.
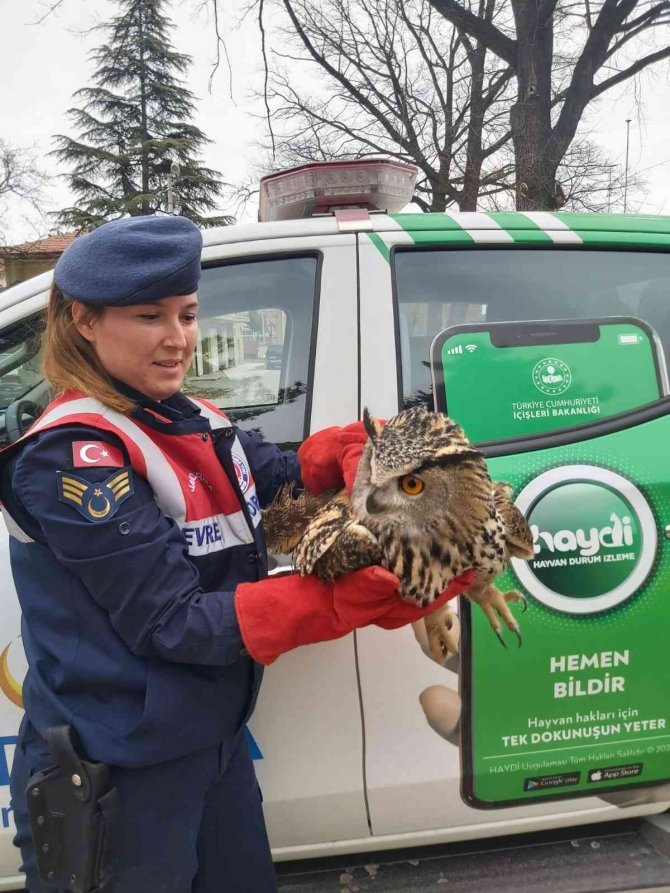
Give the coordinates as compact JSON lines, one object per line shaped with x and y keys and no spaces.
{"x":582,"y":708}
{"x":506,"y":380}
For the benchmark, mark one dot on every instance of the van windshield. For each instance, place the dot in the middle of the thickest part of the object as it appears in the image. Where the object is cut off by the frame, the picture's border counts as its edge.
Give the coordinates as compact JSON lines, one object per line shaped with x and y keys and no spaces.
{"x":437,"y":288}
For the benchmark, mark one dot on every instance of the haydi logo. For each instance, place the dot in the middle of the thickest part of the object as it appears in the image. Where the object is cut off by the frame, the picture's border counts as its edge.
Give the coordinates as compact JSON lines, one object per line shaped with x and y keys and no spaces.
{"x":613,"y":536}
{"x":594,"y":539}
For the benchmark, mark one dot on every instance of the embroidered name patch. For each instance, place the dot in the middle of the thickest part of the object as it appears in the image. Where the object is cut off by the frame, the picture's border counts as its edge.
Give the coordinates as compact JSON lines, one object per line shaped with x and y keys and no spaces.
{"x":86,"y":453}
{"x":95,"y":501}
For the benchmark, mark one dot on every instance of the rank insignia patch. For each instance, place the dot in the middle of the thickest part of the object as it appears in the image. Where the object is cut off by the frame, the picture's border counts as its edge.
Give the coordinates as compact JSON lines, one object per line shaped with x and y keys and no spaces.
{"x":95,"y":501}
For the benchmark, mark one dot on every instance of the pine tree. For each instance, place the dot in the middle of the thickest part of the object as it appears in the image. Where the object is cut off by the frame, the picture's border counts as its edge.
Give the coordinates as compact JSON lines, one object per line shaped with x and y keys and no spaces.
{"x":133,"y":125}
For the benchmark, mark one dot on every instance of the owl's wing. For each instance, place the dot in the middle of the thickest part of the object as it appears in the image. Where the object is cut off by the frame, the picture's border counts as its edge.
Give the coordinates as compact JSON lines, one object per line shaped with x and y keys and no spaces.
{"x":334,"y":543}
{"x":517,"y":532}
{"x":288,"y":516}
{"x":322,"y":532}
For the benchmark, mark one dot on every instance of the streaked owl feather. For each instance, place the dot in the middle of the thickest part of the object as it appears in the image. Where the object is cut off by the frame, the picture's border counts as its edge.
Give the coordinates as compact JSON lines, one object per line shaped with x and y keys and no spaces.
{"x":518,"y":536}
{"x":286,"y":518}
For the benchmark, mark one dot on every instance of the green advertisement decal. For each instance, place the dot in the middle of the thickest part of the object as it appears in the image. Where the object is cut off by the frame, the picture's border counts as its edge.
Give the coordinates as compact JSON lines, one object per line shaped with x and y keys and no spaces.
{"x":584,"y":705}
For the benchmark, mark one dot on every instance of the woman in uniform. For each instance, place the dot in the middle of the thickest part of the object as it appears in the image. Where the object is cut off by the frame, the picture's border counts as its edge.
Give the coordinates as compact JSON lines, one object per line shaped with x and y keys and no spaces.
{"x":139,"y":561}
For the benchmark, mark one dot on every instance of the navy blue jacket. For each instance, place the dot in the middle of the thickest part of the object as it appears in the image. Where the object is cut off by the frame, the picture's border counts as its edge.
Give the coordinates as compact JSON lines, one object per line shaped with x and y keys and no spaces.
{"x":128,"y":638}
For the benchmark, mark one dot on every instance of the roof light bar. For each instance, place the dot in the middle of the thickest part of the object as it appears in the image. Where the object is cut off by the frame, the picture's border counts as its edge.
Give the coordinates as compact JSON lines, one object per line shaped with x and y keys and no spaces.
{"x":375,"y":184}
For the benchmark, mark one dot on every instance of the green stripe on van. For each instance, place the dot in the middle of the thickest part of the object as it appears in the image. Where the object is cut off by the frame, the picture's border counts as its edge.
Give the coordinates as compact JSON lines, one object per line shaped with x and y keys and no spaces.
{"x":595,"y":230}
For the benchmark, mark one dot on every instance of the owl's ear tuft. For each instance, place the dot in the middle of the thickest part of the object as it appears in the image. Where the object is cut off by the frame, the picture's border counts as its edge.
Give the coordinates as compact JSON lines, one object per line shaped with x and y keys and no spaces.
{"x":372,"y":426}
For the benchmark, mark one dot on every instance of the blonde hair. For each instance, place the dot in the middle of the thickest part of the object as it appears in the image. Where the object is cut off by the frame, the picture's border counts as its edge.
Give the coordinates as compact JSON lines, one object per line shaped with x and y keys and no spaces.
{"x":69,"y":362}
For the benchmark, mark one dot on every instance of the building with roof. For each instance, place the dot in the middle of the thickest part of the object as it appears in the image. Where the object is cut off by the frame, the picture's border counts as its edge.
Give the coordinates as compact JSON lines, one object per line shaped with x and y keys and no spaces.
{"x":23,"y":261}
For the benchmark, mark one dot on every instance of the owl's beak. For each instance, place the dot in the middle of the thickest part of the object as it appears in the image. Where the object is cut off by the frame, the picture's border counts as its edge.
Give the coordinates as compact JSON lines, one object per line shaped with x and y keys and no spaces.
{"x":373,"y":504}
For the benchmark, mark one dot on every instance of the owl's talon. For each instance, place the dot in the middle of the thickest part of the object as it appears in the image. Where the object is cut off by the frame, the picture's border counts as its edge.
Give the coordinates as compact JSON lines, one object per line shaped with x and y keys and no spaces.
{"x":514,"y":627}
{"x":495,"y":605}
{"x":442,"y":635}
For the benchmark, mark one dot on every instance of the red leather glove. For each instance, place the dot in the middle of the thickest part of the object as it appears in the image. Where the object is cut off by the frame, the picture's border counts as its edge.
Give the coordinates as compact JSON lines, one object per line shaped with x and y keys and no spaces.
{"x":281,"y":613}
{"x":329,"y":458}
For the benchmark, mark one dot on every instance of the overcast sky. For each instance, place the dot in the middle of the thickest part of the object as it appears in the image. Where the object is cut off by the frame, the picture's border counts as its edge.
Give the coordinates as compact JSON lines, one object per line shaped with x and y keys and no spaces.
{"x":41,"y":66}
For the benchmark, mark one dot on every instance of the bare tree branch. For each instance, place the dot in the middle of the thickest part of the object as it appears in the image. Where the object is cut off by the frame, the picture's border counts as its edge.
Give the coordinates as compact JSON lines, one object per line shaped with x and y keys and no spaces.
{"x":265,"y":63}
{"x":20,"y":176}
{"x":628,"y":73}
{"x":50,"y":10}
{"x":649,"y":15}
{"x":220,"y":42}
{"x":23,"y":190}
{"x":492,"y":38}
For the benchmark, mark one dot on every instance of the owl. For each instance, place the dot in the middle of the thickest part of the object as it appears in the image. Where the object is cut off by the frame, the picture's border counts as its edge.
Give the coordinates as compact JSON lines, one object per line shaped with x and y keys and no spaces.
{"x":423,"y":506}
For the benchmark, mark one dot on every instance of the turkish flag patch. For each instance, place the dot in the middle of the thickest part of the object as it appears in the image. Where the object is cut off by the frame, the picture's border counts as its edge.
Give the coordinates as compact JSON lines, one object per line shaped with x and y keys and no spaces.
{"x":87,"y":453}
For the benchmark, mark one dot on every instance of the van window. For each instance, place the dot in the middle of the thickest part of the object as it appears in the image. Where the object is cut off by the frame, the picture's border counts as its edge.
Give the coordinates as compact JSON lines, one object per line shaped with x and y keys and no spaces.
{"x":20,"y":376}
{"x":253,"y":357}
{"x":444,"y":287}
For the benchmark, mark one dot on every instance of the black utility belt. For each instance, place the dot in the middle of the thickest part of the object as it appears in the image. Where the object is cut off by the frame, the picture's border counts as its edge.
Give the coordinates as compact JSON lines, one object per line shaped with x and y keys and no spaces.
{"x":74,"y":818}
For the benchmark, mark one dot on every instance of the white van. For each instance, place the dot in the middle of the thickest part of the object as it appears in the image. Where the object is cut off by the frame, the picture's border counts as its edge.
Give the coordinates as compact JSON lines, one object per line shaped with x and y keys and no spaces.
{"x":349,"y":304}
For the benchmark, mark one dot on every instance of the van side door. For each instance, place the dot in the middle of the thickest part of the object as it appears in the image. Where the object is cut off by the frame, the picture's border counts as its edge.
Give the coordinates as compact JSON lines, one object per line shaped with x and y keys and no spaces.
{"x":297,"y":298}
{"x":416,"y":279}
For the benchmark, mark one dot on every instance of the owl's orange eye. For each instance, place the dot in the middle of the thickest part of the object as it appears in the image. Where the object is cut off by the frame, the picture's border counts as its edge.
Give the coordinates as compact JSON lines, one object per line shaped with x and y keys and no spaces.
{"x":411,"y":485}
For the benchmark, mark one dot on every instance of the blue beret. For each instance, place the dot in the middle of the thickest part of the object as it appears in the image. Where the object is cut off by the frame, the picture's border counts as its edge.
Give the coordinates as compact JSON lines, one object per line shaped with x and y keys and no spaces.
{"x":133,"y":260}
